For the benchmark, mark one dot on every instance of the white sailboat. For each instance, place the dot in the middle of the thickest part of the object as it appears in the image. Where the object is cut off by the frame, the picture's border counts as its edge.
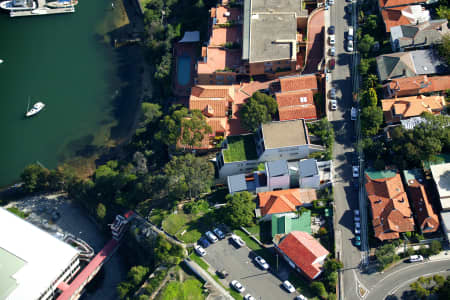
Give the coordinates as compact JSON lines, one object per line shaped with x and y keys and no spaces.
{"x":1,"y":61}
{"x":37,"y":107}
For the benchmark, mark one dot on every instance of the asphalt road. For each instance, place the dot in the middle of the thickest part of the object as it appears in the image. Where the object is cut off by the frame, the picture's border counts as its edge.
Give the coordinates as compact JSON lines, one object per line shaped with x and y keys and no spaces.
{"x":346,"y":197}
{"x":238,"y":262}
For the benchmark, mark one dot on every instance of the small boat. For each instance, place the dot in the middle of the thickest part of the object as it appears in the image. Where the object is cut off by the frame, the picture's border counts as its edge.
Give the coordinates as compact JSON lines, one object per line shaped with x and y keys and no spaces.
{"x":1,"y":61}
{"x":61,"y":3}
{"x":17,"y":5}
{"x":37,"y":107}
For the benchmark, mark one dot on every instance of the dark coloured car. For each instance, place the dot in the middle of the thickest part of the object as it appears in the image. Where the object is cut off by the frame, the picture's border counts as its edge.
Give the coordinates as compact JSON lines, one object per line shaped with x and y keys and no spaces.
{"x":222,"y":273}
{"x":331,"y":30}
{"x":203,"y":241}
{"x":332,"y":63}
{"x":333,"y":93}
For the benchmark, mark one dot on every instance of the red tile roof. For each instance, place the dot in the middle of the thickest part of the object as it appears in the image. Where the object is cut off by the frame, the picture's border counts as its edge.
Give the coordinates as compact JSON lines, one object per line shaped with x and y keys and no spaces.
{"x":304,"y":250}
{"x":284,"y":200}
{"x":409,"y":86}
{"x":390,"y":208}
{"x":427,"y":220}
{"x":391,"y":3}
{"x":296,"y":83}
{"x":296,"y":105}
{"x":225,"y":14}
{"x":217,"y":59}
{"x":397,"y":16}
{"x":400,"y":108}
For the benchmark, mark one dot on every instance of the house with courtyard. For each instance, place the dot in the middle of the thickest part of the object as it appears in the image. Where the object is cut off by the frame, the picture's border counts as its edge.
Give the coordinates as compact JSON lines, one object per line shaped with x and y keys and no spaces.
{"x":426,"y":219}
{"x":302,"y":252}
{"x":398,"y":109}
{"x":274,"y":36}
{"x":409,"y":64}
{"x":418,"y":85}
{"x":283,"y":202}
{"x":391,"y":213}
{"x":286,"y":223}
{"x":284,"y":140}
{"x":296,"y":97}
{"x":414,"y":36}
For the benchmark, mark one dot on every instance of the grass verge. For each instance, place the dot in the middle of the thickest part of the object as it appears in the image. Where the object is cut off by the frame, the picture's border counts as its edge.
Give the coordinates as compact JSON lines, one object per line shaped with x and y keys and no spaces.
{"x":199,"y":261}
{"x":18,"y":212}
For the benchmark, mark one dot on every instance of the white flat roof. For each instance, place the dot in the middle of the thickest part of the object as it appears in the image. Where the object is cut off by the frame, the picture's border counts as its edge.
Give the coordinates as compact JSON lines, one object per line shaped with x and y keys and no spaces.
{"x":441,"y":175}
{"x":30,"y":258}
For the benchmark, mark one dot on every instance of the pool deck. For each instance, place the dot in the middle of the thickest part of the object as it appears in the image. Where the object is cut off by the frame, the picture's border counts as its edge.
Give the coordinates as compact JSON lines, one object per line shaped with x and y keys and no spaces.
{"x":189,"y":50}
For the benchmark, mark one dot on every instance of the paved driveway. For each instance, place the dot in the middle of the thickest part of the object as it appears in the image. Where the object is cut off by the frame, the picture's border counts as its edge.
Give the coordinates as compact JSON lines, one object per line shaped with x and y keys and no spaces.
{"x":239,"y":264}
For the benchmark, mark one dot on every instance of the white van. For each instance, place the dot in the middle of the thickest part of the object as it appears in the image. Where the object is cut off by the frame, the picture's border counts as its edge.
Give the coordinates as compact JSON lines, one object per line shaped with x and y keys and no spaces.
{"x":350,"y":33}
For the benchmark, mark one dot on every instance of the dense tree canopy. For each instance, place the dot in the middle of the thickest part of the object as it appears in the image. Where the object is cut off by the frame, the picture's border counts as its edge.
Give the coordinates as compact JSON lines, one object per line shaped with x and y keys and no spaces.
{"x":167,"y":253}
{"x":240,"y":208}
{"x":371,"y":120}
{"x":259,"y":108}
{"x":194,"y":129}
{"x":366,"y":43}
{"x":36,"y":178}
{"x":188,"y":176}
{"x":444,"y":48}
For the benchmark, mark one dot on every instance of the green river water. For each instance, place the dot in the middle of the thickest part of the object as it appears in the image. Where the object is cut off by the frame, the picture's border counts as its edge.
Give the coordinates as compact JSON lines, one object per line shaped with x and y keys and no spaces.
{"x":88,"y":87}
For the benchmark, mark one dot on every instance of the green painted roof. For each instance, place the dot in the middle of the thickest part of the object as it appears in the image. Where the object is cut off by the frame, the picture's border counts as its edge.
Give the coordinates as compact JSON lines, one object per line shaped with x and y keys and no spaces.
{"x":9,"y":265}
{"x":286,"y":224}
{"x":374,"y":174}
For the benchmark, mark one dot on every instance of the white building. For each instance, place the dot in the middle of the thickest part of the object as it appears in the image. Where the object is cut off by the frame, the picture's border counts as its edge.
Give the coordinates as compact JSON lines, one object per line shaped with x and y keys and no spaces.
{"x":308,"y":174}
{"x":32,"y":262}
{"x":441,"y":177}
{"x":286,"y":140}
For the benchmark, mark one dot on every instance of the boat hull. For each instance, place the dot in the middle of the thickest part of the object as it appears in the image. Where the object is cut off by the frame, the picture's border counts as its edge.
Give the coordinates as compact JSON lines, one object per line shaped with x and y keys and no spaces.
{"x":37,"y":107}
{"x":8,"y":5}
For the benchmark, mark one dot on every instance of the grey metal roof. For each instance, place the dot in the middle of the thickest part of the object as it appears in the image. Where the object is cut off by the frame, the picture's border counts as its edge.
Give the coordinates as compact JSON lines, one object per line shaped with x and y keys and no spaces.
{"x":236,"y":183}
{"x":277,"y":168}
{"x":307,"y":167}
{"x":445,"y":215}
{"x":246,"y":30}
{"x":427,"y":62}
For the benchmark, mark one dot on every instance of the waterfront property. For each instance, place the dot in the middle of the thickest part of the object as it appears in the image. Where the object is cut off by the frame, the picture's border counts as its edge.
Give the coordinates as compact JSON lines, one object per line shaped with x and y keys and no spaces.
{"x":33,"y":262}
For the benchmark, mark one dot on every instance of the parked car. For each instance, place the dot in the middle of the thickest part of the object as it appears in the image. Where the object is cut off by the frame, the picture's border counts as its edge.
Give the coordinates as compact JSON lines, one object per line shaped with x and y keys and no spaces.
{"x":333,"y":93}
{"x":222,"y":273}
{"x":332,"y":63}
{"x":200,"y":251}
{"x":333,"y":104}
{"x":332,"y":39}
{"x":219,"y":233}
{"x":357,"y":240}
{"x":355,"y":171}
{"x":237,"y":286}
{"x":356,"y":212}
{"x":415,"y":258}
{"x":331,"y":2}
{"x":357,"y":225}
{"x":288,"y":286}
{"x":249,"y":297}
{"x":357,"y":231}
{"x":331,"y":30}
{"x":350,"y":46}
{"x":203,"y":241}
{"x":211,"y":237}
{"x":301,"y":297}
{"x":237,"y":240}
{"x":356,"y":218}
{"x":353,"y":113}
{"x":262,"y":262}
{"x":332,"y":51}
{"x":327,"y":6}
{"x":349,"y":9}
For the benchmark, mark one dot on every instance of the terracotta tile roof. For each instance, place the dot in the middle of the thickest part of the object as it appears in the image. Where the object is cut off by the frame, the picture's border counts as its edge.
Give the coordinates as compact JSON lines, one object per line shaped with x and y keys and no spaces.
{"x":391,"y":3}
{"x":400,"y":108}
{"x":218,"y":59}
{"x":396,"y":16}
{"x":225,"y":14}
{"x":285,"y":200}
{"x":390,"y":208}
{"x":212,"y":100}
{"x":303,"y":250}
{"x":220,"y":36}
{"x":295,"y":83}
{"x":213,"y":91}
{"x":296,"y":105}
{"x":427,"y":220}
{"x":419,"y":84}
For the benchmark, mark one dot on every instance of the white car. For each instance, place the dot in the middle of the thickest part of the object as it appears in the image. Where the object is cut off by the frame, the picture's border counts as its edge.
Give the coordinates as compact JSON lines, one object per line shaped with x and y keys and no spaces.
{"x":249,"y":297}
{"x":211,"y":237}
{"x":331,"y":2}
{"x":262,"y":262}
{"x":333,"y":104}
{"x":200,"y":251}
{"x":355,"y":171}
{"x":415,"y":258}
{"x":357,"y":231}
{"x":350,"y":46}
{"x":301,"y":297}
{"x":332,"y":51}
{"x":237,"y":240}
{"x":332,"y":39}
{"x":237,"y":286}
{"x":288,"y":286}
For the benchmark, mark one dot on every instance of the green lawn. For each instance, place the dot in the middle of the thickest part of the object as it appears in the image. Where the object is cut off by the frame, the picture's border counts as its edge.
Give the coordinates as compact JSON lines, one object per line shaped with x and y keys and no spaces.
{"x":18,"y":212}
{"x":191,"y":289}
{"x":240,"y":148}
{"x":248,"y":240}
{"x":157,"y":216}
{"x":174,"y":222}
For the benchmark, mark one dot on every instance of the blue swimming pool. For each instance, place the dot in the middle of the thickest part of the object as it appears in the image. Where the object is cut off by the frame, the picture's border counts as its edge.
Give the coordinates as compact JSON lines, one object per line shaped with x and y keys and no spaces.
{"x":183,"y":70}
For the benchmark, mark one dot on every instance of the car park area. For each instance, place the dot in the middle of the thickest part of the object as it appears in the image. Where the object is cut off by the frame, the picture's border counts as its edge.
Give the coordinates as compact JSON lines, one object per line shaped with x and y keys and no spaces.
{"x":240,"y":264}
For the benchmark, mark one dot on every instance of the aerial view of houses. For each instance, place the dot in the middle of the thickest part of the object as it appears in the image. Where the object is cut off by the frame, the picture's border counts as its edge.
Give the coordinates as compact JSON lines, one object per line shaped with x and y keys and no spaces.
{"x":289,"y":149}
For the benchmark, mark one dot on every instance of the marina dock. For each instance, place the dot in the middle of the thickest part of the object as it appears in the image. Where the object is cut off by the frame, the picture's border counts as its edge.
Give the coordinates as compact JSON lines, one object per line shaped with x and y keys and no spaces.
{"x":42,"y":9}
